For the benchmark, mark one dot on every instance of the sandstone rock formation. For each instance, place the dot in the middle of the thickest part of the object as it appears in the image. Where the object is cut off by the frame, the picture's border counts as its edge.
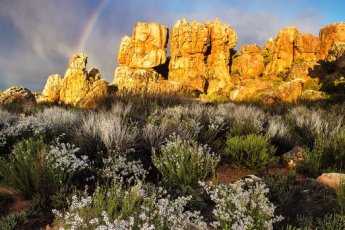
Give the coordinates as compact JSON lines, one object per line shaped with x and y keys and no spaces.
{"x":249,"y":63}
{"x":146,"y":48}
{"x":188,"y":45}
{"x":222,"y":38}
{"x":78,"y":87}
{"x":290,"y":46}
{"x":51,"y":91}
{"x":19,"y":96}
{"x":336,"y":56}
{"x":329,"y":35}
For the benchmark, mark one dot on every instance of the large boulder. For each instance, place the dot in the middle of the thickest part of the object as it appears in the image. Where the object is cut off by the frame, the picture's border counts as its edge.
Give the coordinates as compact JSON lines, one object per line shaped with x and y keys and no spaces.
{"x":188,"y":45}
{"x":51,"y":91}
{"x":329,"y":35}
{"x":146,"y":48}
{"x":249,"y":63}
{"x":99,"y":91}
{"x":18,"y":96}
{"x":223,"y":38}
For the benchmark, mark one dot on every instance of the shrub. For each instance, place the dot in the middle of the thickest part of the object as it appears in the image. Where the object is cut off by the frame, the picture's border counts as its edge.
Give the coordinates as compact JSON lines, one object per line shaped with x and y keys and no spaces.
{"x":23,"y":170}
{"x":184,"y":162}
{"x":243,"y":119}
{"x":310,"y":124}
{"x":112,"y":130}
{"x":117,"y":167}
{"x":134,"y":208}
{"x":252,"y":151}
{"x":6,"y":118}
{"x":34,"y":169}
{"x":242,"y":205}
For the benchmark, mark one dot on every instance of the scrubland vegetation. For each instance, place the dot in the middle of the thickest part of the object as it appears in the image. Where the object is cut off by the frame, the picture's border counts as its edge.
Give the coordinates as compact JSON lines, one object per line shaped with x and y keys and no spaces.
{"x":151,"y":163}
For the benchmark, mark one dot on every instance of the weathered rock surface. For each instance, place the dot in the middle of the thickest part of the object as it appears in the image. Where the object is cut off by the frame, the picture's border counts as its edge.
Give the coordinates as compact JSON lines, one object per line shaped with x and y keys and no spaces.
{"x":51,"y":91}
{"x":148,"y":81}
{"x":249,"y":63}
{"x":78,"y":87}
{"x":19,"y":96}
{"x":188,"y":45}
{"x":290,"y":46}
{"x":222,"y":38}
{"x":146,"y":48}
{"x":336,"y":56}
{"x":329,"y":35}
{"x":333,"y":180}
{"x":294,"y":157}
{"x":76,"y":83}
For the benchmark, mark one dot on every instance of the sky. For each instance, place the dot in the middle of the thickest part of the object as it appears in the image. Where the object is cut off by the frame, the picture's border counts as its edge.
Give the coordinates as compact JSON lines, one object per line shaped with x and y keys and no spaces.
{"x":37,"y":37}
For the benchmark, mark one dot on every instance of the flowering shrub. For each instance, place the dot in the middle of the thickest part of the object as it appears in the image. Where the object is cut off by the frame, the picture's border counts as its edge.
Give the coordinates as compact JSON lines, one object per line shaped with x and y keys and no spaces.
{"x":184,"y":162}
{"x":133,"y":208}
{"x":62,"y":157}
{"x":242,"y":205}
{"x":252,"y":151}
{"x":118,"y":167}
{"x":6,"y":118}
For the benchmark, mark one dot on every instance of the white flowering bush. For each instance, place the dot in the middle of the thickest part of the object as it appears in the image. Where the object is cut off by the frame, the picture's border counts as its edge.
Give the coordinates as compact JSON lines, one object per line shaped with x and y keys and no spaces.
{"x":6,"y":118}
{"x":133,"y":208}
{"x":118,"y":167}
{"x":62,"y":157}
{"x":184,"y":162}
{"x":242,"y":205}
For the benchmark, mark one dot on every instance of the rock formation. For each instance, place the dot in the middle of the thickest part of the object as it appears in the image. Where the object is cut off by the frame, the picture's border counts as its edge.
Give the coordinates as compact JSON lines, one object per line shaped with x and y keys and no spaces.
{"x":189,"y":43}
{"x":78,"y":87}
{"x":146,"y":48}
{"x":51,"y":91}
{"x":223,"y":38}
{"x":329,"y":35}
{"x":139,"y":56}
{"x":249,"y":63}
{"x":19,"y":96}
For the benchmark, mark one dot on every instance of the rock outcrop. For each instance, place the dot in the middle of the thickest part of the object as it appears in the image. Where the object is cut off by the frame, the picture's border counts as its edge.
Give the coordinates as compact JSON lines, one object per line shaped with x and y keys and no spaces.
{"x":329,"y":35}
{"x":51,"y":91}
{"x":223,"y":38}
{"x":189,"y":43}
{"x":78,"y":87}
{"x":146,"y":48}
{"x":18,"y":96}
{"x":249,"y":63}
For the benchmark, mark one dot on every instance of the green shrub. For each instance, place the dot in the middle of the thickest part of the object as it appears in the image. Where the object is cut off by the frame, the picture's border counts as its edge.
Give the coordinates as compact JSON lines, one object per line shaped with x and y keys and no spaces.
{"x":26,"y":172}
{"x":184,"y":162}
{"x":252,"y":151}
{"x":341,"y":196}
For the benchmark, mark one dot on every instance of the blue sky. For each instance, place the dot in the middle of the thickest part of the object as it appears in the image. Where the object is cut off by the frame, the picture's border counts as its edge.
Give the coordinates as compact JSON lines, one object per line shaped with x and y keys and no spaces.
{"x":38,"y":36}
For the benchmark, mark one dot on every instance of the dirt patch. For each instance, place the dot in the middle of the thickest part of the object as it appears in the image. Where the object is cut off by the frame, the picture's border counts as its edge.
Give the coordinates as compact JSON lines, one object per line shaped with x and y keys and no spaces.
{"x":226,"y":173}
{"x":15,"y":203}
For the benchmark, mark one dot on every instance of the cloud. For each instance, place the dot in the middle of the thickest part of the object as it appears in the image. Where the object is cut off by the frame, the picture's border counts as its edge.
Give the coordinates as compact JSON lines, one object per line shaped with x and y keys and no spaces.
{"x":41,"y":35}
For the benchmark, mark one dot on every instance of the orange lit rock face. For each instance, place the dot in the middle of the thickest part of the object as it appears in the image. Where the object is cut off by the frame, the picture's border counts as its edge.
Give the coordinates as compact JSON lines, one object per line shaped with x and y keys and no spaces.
{"x":146,"y":48}
{"x":78,"y":87}
{"x":51,"y":91}
{"x":249,"y":63}
{"x":188,"y":45}
{"x":333,"y":180}
{"x":330,"y":35}
{"x":306,"y":48}
{"x":223,"y":38}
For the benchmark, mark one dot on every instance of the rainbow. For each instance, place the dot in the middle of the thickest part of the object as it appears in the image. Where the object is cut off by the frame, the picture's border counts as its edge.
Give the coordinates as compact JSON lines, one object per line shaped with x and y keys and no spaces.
{"x":86,"y":32}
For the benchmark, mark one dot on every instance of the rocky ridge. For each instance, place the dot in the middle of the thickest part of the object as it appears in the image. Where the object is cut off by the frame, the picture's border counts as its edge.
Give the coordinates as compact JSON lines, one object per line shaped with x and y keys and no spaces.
{"x":203,"y":61}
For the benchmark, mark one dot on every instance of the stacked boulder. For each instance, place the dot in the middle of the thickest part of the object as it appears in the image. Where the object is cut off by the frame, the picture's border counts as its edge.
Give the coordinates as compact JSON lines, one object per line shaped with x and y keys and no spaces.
{"x":78,"y":87}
